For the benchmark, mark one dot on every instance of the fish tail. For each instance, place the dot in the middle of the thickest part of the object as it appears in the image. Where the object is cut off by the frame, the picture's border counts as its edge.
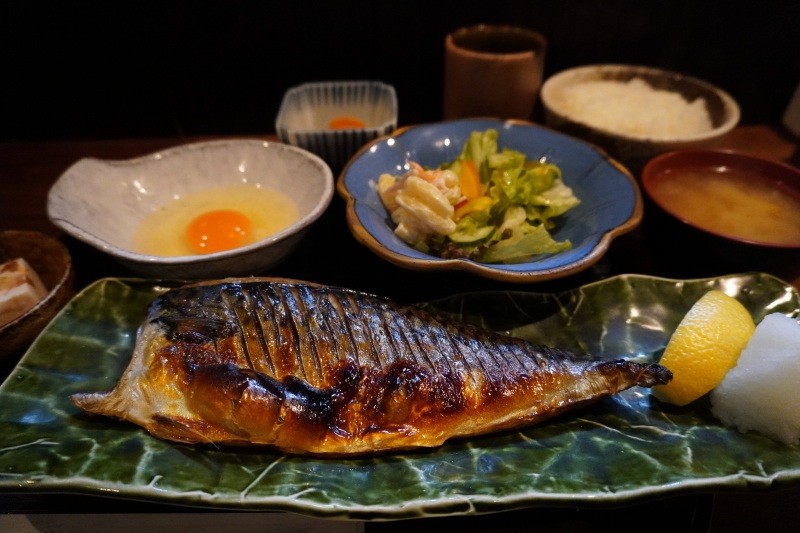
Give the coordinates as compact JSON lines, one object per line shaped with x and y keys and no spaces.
{"x":642,"y":375}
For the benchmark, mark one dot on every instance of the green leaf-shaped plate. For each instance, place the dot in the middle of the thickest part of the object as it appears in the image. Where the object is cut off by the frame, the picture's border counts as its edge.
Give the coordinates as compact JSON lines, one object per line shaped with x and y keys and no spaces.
{"x":618,"y":450}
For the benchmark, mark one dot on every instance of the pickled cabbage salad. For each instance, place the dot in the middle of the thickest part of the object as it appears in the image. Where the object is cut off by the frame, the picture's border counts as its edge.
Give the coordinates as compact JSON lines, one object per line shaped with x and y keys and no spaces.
{"x":488,"y":205}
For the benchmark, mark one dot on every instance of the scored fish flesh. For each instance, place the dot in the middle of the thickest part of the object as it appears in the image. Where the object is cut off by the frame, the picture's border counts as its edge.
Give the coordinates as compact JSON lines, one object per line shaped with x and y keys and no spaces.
{"x":313,"y":369}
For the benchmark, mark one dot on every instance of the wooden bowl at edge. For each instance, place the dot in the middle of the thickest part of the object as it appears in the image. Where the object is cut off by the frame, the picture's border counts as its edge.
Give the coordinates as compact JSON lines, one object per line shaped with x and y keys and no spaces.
{"x":52,"y":262}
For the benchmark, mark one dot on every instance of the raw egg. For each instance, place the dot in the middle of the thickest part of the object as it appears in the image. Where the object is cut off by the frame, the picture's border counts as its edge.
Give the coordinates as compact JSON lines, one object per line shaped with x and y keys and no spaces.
{"x":215,"y":220}
{"x":221,"y":229}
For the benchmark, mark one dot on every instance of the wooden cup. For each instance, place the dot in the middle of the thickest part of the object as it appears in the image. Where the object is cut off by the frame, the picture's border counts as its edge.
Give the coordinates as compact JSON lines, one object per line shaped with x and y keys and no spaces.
{"x":492,"y":71}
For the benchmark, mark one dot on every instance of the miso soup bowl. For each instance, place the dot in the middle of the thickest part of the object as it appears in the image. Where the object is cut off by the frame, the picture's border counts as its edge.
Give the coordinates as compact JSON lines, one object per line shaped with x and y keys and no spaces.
{"x":691,"y":236}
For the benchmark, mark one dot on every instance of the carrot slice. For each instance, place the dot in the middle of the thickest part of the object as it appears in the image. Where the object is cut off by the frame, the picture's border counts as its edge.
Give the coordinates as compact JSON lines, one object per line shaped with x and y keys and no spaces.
{"x":470,"y":206}
{"x":469,"y":180}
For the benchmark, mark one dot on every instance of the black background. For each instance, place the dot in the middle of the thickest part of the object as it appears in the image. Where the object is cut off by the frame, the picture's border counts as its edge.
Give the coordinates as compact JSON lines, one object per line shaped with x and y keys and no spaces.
{"x":145,"y":68}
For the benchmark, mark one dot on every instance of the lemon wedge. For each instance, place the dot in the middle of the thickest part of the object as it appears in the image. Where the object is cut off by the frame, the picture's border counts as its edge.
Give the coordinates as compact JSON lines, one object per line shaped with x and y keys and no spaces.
{"x":704,"y":347}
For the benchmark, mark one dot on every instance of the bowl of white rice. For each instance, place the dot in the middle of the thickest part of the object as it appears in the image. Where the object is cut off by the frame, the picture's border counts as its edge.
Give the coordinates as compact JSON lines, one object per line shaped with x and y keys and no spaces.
{"x":637,"y":112}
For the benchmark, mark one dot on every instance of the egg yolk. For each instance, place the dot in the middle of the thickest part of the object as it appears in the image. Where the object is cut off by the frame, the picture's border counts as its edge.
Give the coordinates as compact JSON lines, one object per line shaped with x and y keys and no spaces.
{"x":345,"y":122}
{"x":215,"y":231}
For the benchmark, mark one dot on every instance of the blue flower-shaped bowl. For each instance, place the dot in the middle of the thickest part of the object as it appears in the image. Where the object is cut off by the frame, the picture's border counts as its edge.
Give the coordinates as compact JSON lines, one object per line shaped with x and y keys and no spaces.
{"x":611,"y":202}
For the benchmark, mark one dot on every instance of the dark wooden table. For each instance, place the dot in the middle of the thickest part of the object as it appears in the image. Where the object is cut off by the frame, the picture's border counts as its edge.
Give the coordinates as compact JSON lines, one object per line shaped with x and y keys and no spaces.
{"x":331,"y":255}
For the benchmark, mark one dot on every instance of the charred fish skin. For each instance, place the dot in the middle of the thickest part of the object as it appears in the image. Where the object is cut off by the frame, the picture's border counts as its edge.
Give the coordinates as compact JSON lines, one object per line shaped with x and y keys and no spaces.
{"x":313,"y":369}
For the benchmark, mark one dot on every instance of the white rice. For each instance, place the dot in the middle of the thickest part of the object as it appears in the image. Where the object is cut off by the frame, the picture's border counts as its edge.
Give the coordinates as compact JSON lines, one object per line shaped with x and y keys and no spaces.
{"x":636,"y":109}
{"x":760,"y":392}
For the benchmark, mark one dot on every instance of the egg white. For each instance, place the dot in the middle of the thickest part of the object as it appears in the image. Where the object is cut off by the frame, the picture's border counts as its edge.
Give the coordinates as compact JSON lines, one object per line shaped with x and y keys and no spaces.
{"x":163,"y":232}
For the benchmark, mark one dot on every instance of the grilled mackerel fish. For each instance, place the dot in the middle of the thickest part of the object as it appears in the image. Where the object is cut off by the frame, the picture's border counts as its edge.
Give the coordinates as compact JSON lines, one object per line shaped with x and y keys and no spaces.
{"x":311,"y":369}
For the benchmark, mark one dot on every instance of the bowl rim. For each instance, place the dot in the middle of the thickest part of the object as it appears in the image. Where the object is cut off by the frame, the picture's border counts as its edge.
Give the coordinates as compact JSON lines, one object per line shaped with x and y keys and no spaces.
{"x":732,"y":108}
{"x":128,"y":255}
{"x":452,"y":39}
{"x":726,"y":157}
{"x":387,"y":88}
{"x":487,"y":270}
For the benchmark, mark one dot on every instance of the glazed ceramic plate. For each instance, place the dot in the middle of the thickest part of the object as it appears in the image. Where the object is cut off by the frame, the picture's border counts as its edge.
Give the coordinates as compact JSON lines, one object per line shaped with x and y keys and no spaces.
{"x":611,"y":203}
{"x":618,"y":450}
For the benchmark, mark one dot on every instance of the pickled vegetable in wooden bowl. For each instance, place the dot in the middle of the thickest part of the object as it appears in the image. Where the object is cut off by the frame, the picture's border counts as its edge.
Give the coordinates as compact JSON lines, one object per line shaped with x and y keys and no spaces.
{"x":48,"y":261}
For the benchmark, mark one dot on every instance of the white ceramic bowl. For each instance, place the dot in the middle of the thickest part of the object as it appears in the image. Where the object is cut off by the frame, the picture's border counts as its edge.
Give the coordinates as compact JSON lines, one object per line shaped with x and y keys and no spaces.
{"x":102,"y":202}
{"x":634,"y":150}
{"x":306,"y":112}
